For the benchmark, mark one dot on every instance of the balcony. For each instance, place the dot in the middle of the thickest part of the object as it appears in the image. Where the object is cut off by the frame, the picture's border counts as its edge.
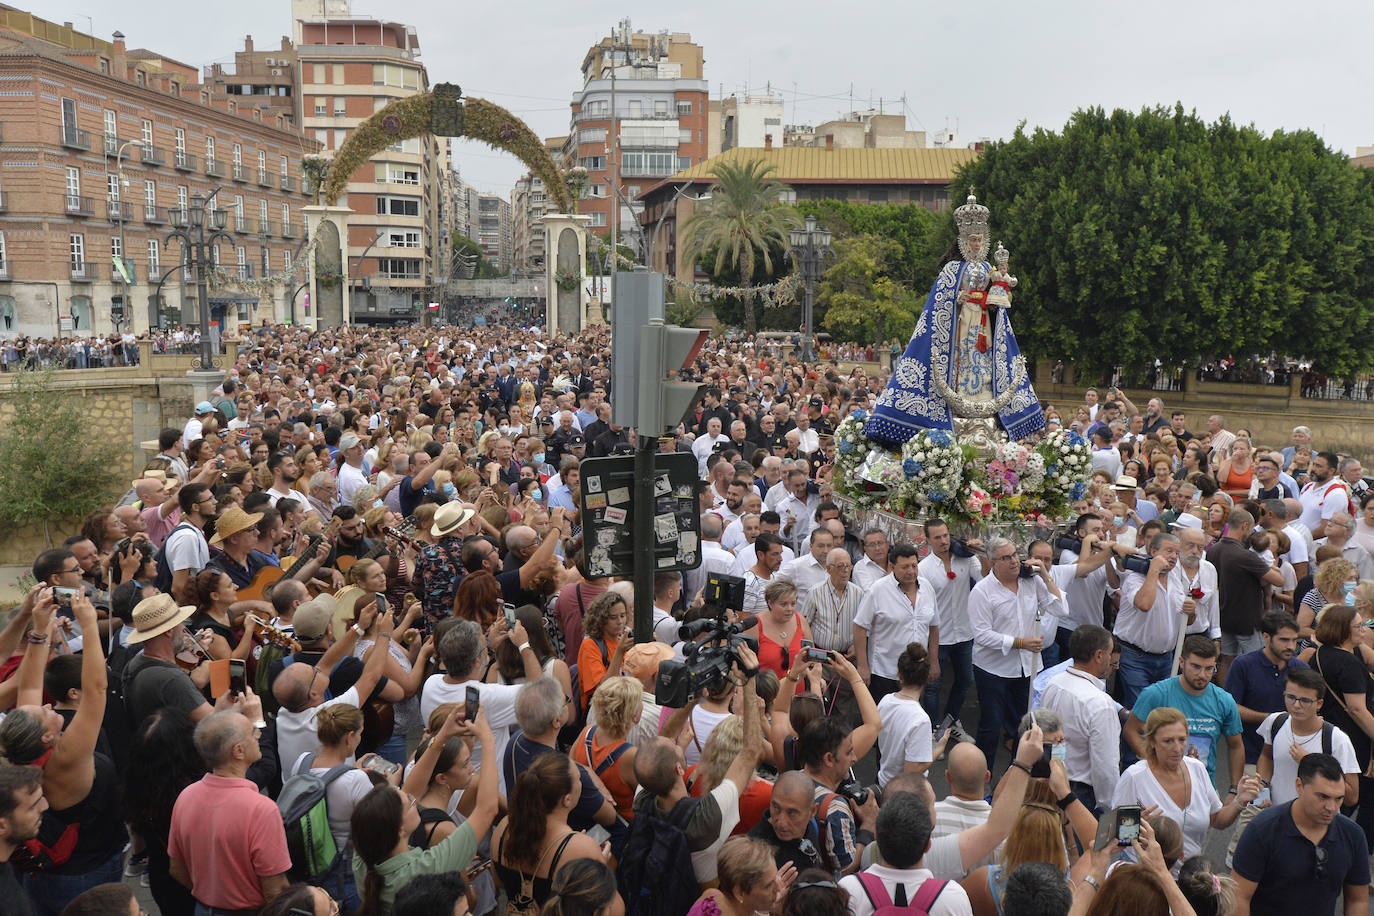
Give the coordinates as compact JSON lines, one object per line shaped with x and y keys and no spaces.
{"x":265,"y":179}
{"x":240,"y":173}
{"x":289,"y":230}
{"x":214,"y":168}
{"x":80,"y":206}
{"x":288,"y":183}
{"x":118,"y":211}
{"x":84,"y":272}
{"x":244,"y":272}
{"x":386,"y":274}
{"x":76,"y":139}
{"x":111,"y":145}
{"x":153,"y":155}
{"x":267,"y":228}
{"x":4,"y":270}
{"x":184,"y":161}
{"x":154,"y":216}
{"x":245,"y":226}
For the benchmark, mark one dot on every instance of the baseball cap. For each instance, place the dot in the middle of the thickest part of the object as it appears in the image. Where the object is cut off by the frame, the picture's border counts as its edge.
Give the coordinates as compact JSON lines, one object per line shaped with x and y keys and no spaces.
{"x":348,"y":441}
{"x":204,"y":407}
{"x":577,"y":441}
{"x":311,"y":619}
{"x":816,"y":402}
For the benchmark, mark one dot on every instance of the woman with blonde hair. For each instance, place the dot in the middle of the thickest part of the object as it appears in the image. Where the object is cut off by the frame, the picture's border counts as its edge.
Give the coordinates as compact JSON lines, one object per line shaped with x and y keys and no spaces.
{"x":748,"y":880}
{"x":1334,"y":578}
{"x":604,"y":747}
{"x":1036,"y":836}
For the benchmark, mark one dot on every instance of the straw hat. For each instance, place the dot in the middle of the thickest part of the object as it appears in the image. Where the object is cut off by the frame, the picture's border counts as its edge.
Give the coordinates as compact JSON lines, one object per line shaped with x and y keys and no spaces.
{"x":449,"y":517}
{"x":232,"y":522}
{"x":156,"y":615}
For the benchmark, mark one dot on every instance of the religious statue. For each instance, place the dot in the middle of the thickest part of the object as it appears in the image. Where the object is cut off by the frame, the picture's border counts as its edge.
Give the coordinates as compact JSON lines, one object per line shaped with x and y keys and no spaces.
{"x":962,"y":366}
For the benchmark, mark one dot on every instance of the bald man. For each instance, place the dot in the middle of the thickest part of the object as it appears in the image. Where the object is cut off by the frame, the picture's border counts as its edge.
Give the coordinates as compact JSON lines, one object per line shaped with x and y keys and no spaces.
{"x":788,"y":824}
{"x":965,"y":806}
{"x":160,"y":511}
{"x":132,"y":519}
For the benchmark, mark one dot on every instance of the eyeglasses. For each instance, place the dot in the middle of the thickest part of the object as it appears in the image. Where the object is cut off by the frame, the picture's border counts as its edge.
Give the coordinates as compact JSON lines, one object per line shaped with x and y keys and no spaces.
{"x":1008,"y":557}
{"x":1320,"y":870}
{"x":1299,"y":701}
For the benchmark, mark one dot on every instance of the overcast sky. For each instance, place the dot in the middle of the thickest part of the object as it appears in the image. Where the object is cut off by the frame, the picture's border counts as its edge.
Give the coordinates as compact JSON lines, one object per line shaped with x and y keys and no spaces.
{"x":978,"y":68}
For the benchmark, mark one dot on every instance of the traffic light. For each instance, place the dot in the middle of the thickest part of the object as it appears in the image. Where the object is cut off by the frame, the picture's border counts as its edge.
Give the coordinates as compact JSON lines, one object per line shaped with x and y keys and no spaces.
{"x":663,"y":402}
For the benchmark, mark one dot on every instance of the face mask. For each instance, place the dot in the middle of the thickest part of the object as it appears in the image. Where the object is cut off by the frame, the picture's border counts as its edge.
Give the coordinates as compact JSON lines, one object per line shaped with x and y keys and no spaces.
{"x":536,"y":494}
{"x":1060,"y":752}
{"x":378,"y":504}
{"x":1349,"y":589}
{"x":1118,"y":521}
{"x":449,"y":489}
{"x":538,"y":460}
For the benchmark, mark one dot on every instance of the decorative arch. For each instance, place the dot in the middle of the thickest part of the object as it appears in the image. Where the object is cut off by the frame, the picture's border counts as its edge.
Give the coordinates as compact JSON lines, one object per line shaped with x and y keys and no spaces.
{"x":444,"y":112}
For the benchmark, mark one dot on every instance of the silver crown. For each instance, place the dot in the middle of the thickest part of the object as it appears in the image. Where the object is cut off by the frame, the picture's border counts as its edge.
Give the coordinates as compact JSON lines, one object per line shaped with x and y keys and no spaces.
{"x":971,"y":216}
{"x":1001,"y":255}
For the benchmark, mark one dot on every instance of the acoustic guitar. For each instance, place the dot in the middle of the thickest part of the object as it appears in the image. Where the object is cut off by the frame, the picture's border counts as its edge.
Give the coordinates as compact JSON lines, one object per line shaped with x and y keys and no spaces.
{"x":256,"y":590}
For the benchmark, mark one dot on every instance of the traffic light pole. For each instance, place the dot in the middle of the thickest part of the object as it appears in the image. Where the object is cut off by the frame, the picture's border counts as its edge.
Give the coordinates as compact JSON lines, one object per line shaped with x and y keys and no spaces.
{"x":643,"y":533}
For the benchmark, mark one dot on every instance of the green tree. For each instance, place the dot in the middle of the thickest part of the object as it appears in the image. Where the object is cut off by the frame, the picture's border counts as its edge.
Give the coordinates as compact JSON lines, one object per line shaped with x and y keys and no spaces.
{"x":462,"y":245}
{"x":52,"y":467}
{"x":742,"y":224}
{"x":1155,"y":234}
{"x":861,"y":301}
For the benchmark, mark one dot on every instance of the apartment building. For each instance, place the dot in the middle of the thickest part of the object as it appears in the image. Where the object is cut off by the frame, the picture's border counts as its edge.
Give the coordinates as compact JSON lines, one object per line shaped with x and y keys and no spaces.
{"x":749,"y":119}
{"x":104,"y":149}
{"x":661,"y":115}
{"x":529,"y":202}
{"x":268,"y":80}
{"x":870,"y":129}
{"x":350,"y":68}
{"x":495,"y":230}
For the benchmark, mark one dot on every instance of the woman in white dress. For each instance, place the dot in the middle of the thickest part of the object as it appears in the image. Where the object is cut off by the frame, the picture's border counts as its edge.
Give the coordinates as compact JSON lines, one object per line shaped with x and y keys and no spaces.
{"x":1176,"y":784}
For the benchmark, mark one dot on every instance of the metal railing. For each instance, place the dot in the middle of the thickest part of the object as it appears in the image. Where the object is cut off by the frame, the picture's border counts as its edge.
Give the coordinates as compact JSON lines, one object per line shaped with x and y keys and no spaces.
{"x":80,"y":206}
{"x":184,"y":161}
{"x":265,"y":178}
{"x":154,"y":215}
{"x":214,"y":168}
{"x":240,"y":173}
{"x":244,"y":225}
{"x":4,"y":201}
{"x":267,"y":228}
{"x":84,"y":271}
{"x":289,"y":230}
{"x":111,"y":145}
{"x":153,"y":155}
{"x":118,"y":210}
{"x":76,"y":139}
{"x":288,"y":183}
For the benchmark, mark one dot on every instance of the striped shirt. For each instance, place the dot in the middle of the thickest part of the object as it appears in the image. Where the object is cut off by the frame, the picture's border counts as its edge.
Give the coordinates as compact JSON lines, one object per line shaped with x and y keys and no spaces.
{"x":831,"y":614}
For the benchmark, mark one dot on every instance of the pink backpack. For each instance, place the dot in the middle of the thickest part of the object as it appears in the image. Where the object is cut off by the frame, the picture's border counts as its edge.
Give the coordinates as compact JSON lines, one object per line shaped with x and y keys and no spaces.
{"x":883,"y":905}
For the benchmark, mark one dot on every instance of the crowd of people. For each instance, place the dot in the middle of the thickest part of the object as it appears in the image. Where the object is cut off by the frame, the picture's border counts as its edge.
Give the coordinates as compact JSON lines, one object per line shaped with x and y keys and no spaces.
{"x":340,"y":648}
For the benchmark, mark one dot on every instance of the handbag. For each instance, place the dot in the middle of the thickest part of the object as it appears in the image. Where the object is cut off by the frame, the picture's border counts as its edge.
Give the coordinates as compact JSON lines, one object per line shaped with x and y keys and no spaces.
{"x":1317,"y":661}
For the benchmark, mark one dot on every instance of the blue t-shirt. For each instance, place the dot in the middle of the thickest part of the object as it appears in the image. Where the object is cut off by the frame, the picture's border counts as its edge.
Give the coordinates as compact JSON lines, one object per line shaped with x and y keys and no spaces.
{"x":1257,"y":683}
{"x":1210,"y":716}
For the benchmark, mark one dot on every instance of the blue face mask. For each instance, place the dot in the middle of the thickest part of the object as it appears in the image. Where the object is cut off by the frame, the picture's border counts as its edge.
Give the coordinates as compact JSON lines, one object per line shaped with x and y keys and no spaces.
{"x":536,"y":494}
{"x":1060,"y":752}
{"x":1349,"y":589}
{"x":449,"y":489}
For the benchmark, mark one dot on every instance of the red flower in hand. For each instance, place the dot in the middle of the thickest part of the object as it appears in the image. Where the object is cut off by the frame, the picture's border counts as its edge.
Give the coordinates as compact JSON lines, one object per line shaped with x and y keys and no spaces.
{"x":951,"y":575}
{"x":1197,"y":594}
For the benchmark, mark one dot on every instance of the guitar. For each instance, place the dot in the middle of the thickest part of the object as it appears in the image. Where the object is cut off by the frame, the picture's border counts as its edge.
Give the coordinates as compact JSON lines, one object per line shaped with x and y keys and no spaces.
{"x":256,"y":590}
{"x":401,"y":538}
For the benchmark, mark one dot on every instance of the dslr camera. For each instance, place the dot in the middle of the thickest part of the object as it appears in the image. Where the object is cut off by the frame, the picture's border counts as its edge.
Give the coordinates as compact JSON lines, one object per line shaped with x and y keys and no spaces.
{"x":1136,"y":563}
{"x":856,"y":793}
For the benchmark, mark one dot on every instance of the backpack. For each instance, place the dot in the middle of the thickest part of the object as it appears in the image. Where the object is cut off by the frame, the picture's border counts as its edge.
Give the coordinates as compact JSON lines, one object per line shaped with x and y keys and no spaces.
{"x":1327,"y":729}
{"x":164,"y":571}
{"x":524,"y":903}
{"x":654,"y":873}
{"x":305,"y":815}
{"x":883,"y":905}
{"x":262,"y":675}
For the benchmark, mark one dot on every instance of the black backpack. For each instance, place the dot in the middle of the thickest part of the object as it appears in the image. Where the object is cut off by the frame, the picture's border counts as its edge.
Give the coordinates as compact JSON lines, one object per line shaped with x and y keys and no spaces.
{"x":1282,"y":718}
{"x":164,"y":571}
{"x":654,"y":873}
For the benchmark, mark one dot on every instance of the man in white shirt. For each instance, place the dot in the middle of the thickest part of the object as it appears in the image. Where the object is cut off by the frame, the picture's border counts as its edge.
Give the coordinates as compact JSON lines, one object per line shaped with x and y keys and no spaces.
{"x":1300,"y":730}
{"x":733,"y":534}
{"x":1105,"y":457}
{"x":1324,"y":495}
{"x":809,"y":569}
{"x":195,"y":426}
{"x":714,"y":557}
{"x":768,"y":549}
{"x":1196,"y":577}
{"x":952,"y":578}
{"x":1094,"y":573}
{"x":746,"y":554}
{"x":706,"y":443}
{"x":798,"y":510}
{"x":351,"y":477}
{"x":1006,"y":612}
{"x":966,"y":806}
{"x":1339,"y":530}
{"x":831,"y":605}
{"x":667,"y":590}
{"x":284,"y":473}
{"x":902,"y":831}
{"x":1148,"y":621}
{"x":874,"y":564}
{"x":1092,"y":726}
{"x":464,"y":652}
{"x":898,"y":609}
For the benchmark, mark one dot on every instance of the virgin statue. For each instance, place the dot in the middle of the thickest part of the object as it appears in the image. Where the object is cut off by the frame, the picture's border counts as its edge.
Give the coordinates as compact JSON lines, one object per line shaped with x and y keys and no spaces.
{"x":962,"y":366}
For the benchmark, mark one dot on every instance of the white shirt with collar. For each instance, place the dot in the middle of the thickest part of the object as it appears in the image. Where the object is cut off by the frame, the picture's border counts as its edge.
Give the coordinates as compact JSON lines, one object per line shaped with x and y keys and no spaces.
{"x":951,"y":595}
{"x":733,"y":535}
{"x":952,"y":901}
{"x":804,"y":571}
{"x":714,"y":559}
{"x":1154,"y":631}
{"x":747,"y":556}
{"x":702,"y":448}
{"x":809,"y":440}
{"x":1092,"y":729}
{"x":775,"y":495}
{"x":892,"y":620}
{"x":866,"y":572}
{"x":1000,"y":616}
{"x":1082,"y":597}
{"x":1208,"y":616}
{"x":802,"y":512}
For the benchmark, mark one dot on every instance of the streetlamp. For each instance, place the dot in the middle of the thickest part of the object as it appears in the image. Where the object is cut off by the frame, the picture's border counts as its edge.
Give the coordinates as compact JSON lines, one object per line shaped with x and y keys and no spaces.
{"x":810,"y":248}
{"x":118,"y":204}
{"x":191,"y":232}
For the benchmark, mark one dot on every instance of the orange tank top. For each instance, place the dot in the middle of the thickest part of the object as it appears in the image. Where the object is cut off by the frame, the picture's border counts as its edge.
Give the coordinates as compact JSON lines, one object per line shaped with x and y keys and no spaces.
{"x":602,"y":761}
{"x":1236,"y":481}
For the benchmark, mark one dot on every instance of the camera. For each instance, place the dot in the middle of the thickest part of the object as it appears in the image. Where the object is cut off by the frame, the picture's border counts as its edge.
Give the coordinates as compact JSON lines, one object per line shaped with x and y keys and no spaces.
{"x":1136,"y":563}
{"x":1029,"y":570}
{"x":706,"y":663}
{"x":856,"y":793}
{"x":723,"y":591}
{"x":1069,"y":542}
{"x":958,"y":548}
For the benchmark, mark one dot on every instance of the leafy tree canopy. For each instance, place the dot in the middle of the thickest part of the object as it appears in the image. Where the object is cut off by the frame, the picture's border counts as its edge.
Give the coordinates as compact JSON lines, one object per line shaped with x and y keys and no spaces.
{"x":1155,"y":234}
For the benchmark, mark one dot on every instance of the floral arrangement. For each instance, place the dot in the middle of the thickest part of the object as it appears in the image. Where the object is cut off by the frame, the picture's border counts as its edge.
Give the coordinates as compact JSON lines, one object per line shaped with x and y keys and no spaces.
{"x":1068,"y":465}
{"x":933,"y":464}
{"x":567,"y":280}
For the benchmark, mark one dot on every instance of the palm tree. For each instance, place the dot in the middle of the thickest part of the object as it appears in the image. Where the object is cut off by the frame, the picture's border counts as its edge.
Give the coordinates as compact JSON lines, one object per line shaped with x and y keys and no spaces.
{"x":743,"y":221}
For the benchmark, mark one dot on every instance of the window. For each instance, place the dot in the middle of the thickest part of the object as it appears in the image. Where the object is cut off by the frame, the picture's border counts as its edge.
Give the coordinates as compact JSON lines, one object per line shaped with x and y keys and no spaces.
{"x":321,"y":110}
{"x":650,"y":164}
{"x":660,"y":106}
{"x":403,"y":239}
{"x":636,"y":108}
{"x":111,"y":125}
{"x":4,"y":259}
{"x":112,"y":188}
{"x":400,"y":174}
{"x":181,"y":198}
{"x":595,"y":190}
{"x":262,"y":213}
{"x":398,"y":206}
{"x":399,"y":268}
{"x":242,"y":254}
{"x":209,"y":150}
{"x":150,"y":197}
{"x":684,"y":135}
{"x":340,"y":109}
{"x":286,"y":259}
{"x":598,"y":219}
{"x":877,"y":197}
{"x":593,"y":163}
{"x":395,"y":75}
{"x":285,"y":216}
{"x":684,"y":162}
{"x":592,"y":135}
{"x":74,"y":181}
{"x":340,"y":135}
{"x":116,"y":248}
{"x":284,"y":168}
{"x":181,"y":140}
{"x":633,"y":191}
{"x":76,"y":246}
{"x":69,"y":113}
{"x":147,"y":134}
{"x":140,"y":78}
{"x":238,"y":154}
{"x":318,"y":74}
{"x":262,"y":161}
{"x":154,"y":268}
{"x":684,"y":108}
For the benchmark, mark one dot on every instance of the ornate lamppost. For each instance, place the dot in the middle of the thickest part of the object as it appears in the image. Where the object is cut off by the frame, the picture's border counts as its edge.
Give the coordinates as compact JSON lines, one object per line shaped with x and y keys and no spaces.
{"x":810,"y":248}
{"x":198,"y":240}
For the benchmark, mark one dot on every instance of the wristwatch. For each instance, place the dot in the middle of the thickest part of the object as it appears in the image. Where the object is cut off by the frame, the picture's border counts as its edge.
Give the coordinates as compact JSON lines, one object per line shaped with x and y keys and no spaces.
{"x":357,"y":630}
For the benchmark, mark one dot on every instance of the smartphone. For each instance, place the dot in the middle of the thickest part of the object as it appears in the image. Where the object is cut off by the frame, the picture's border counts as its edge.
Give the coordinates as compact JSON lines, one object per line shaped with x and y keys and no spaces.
{"x":473,"y":703}
{"x":1264,"y":797}
{"x":381,"y":604}
{"x":380,"y":765}
{"x":494,"y":476}
{"x":1041,"y":768}
{"x":219,"y":463}
{"x":1127,"y":821}
{"x":817,"y":655}
{"x":237,"y":682}
{"x":598,"y":834}
{"x":510,"y":616}
{"x":945,"y":725}
{"x":63,"y":595}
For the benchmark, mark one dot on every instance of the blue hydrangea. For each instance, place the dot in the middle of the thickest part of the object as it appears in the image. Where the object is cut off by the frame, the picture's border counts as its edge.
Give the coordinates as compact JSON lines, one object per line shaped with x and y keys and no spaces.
{"x":911,"y":467}
{"x":938,"y":496}
{"x":1076,"y":439}
{"x":1078,"y":490}
{"x":1051,"y":469}
{"x":859,"y":414}
{"x":845,"y":446}
{"x":939,"y":437}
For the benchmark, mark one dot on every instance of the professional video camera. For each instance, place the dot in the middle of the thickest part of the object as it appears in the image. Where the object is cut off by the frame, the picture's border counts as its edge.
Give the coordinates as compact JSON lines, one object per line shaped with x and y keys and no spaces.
{"x":707,"y":661}
{"x":1136,"y":563}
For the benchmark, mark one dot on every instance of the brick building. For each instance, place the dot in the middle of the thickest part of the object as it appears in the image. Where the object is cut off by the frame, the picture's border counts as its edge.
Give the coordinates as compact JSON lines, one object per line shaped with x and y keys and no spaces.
{"x":78,"y":115}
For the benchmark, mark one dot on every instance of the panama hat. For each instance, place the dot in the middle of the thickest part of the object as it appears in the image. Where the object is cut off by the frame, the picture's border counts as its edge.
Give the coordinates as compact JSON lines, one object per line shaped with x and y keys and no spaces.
{"x":449,"y":517}
{"x":232,"y":522}
{"x":155,"y":616}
